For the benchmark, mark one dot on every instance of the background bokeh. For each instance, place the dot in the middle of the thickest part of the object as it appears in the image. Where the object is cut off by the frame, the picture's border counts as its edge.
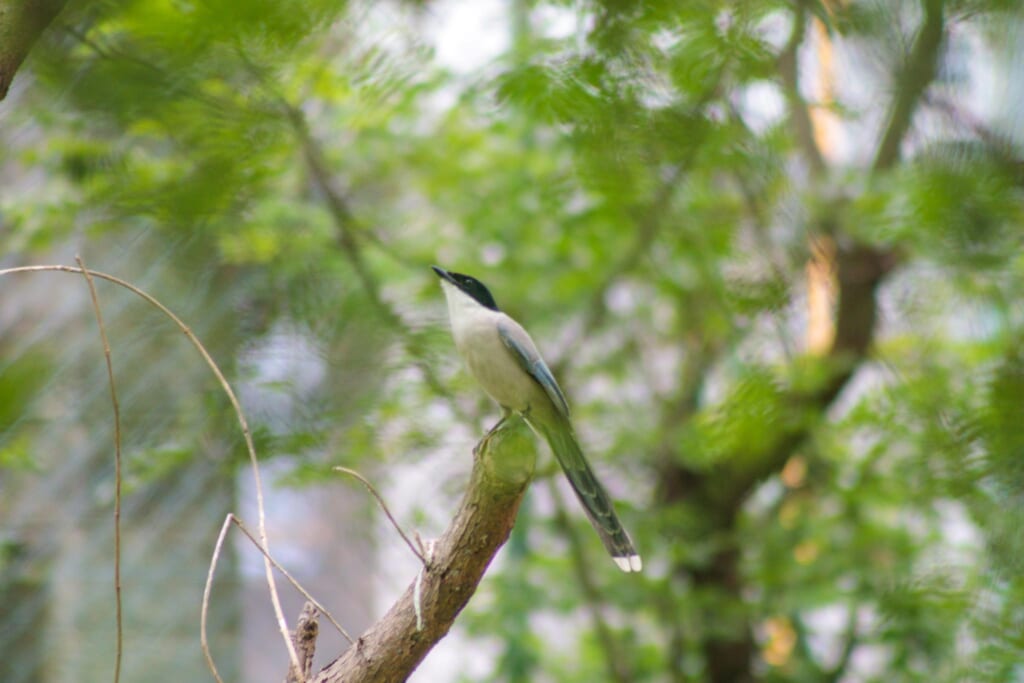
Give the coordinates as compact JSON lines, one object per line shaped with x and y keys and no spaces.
{"x":771,"y":249}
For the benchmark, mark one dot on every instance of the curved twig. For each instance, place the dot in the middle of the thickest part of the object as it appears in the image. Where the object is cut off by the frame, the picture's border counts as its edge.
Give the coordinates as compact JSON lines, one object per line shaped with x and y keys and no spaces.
{"x":207,"y":589}
{"x":384,"y":506}
{"x":295,"y":584}
{"x":246,"y":434}
{"x":118,"y":609}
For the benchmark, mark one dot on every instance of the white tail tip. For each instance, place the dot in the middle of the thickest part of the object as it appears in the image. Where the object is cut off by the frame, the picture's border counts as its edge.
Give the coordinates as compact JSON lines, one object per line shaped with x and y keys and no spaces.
{"x":632,"y":563}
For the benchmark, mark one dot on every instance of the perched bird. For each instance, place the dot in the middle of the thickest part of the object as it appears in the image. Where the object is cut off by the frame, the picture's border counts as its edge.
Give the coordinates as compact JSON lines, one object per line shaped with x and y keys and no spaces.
{"x":506,"y":363}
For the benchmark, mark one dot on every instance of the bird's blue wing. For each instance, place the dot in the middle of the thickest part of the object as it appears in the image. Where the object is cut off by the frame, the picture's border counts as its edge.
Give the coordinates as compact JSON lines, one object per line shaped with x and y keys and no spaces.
{"x":518,"y":342}
{"x":559,"y":435}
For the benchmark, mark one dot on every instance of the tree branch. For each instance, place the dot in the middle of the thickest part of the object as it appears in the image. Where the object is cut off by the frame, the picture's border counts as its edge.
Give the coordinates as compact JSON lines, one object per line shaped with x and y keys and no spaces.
{"x":21,"y":23}
{"x":788,"y":73}
{"x":649,"y":222}
{"x":304,"y":640}
{"x":347,"y":225}
{"x":339,"y":209}
{"x":648,"y":225}
{"x":860,"y":270}
{"x":916,"y":75}
{"x":850,"y":642}
{"x":803,"y":647}
{"x":393,"y":647}
{"x":721,"y":494}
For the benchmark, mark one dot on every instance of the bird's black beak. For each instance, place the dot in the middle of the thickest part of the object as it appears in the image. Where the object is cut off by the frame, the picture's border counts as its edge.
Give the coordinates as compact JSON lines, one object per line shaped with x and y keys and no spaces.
{"x":444,"y":274}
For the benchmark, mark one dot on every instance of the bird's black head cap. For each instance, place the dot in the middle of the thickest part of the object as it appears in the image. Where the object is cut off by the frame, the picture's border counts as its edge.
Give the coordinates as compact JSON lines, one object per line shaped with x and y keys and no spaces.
{"x":470,"y":285}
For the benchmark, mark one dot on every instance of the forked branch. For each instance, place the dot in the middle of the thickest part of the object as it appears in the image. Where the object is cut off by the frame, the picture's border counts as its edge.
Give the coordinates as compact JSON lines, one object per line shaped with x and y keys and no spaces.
{"x":393,"y":647}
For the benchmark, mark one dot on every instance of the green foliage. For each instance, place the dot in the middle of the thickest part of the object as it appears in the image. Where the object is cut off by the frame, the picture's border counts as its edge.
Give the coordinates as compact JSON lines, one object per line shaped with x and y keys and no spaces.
{"x":282,"y":173}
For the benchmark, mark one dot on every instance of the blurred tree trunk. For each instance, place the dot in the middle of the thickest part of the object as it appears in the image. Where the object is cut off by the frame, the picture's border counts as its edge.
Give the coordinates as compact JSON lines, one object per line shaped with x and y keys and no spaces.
{"x":854,"y":271}
{"x":718,"y":498}
{"x":21,"y":23}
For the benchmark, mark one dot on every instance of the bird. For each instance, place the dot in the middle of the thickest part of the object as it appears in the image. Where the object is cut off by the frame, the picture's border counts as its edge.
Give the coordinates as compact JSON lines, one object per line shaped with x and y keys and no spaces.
{"x":504,"y":360}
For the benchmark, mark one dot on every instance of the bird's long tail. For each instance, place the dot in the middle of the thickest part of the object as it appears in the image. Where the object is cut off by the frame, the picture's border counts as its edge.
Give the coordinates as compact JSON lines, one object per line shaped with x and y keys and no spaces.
{"x":595,"y":500}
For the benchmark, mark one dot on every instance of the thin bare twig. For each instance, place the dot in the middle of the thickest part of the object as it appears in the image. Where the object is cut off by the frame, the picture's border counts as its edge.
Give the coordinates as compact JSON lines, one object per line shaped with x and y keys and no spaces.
{"x":205,"y":609}
{"x":282,"y":624}
{"x":384,"y":506}
{"x":295,"y":584}
{"x":119,"y":612}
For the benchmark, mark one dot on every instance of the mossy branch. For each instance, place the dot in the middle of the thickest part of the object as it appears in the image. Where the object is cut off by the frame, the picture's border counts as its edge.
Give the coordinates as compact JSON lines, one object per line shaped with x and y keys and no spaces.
{"x":390,"y":650}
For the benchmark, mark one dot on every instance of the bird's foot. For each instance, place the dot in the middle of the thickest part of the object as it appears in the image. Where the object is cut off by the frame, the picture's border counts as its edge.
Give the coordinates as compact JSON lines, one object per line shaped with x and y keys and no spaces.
{"x":482,"y":443}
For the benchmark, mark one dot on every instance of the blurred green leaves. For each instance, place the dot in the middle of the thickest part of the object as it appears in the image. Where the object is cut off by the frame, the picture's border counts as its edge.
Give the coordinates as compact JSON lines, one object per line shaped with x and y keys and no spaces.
{"x":286,"y":172}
